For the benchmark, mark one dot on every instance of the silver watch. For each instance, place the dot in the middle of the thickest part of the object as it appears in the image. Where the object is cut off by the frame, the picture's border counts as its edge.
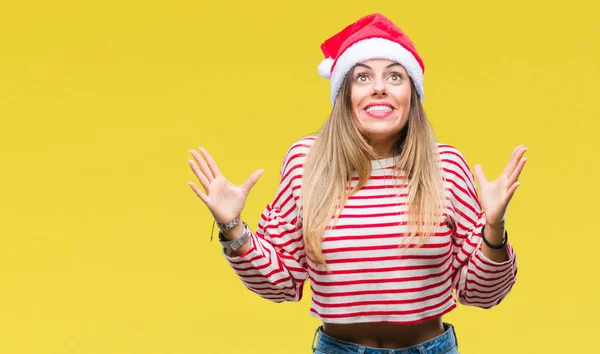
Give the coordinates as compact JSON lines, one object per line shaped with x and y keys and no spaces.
{"x":238,"y":242}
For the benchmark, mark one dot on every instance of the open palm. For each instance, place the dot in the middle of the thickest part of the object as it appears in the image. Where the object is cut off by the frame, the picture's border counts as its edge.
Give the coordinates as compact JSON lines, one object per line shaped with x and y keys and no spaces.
{"x":224,"y":199}
{"x":496,"y":195}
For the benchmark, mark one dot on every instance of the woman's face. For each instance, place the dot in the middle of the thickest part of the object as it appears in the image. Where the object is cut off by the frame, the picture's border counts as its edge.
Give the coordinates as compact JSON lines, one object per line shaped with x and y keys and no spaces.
{"x":380,"y":94}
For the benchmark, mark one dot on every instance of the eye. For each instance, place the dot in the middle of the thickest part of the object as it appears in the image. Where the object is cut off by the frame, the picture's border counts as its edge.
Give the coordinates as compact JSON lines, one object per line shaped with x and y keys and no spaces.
{"x":362,"y":78}
{"x":396,"y":77}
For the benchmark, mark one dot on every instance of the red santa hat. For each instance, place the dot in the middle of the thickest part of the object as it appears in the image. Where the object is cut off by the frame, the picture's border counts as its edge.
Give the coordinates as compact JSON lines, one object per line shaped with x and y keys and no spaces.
{"x":371,"y":37}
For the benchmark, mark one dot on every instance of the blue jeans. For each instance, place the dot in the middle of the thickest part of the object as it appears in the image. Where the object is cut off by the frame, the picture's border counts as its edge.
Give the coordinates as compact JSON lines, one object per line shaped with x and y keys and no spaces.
{"x":445,"y":343}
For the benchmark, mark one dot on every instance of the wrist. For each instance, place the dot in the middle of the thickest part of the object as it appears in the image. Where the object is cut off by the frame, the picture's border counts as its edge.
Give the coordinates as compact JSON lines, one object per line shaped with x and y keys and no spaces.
{"x":494,"y":236}
{"x":234,"y":232}
{"x":496,"y":226}
{"x":229,"y":223}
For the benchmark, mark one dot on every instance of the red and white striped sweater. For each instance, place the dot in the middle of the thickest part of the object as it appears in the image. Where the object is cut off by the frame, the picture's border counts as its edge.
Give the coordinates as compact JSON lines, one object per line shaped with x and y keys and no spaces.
{"x":371,"y":279}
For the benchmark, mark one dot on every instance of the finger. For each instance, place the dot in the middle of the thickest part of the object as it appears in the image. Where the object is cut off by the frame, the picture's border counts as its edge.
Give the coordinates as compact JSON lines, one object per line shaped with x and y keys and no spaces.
{"x":511,"y":161}
{"x":479,"y":175}
{"x":514,"y":159}
{"x":251,"y":181}
{"x":511,"y":190}
{"x":203,"y":166}
{"x":211,"y":163}
{"x":517,"y":172}
{"x":199,"y":193}
{"x":201,"y":177}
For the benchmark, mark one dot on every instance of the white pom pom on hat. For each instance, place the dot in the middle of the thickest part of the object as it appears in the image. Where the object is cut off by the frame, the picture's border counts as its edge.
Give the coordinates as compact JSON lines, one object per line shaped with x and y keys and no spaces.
{"x":325,"y":68}
{"x":371,"y":37}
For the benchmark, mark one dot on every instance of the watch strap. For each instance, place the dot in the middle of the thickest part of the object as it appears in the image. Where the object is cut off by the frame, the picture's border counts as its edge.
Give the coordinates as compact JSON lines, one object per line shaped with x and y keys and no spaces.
{"x":237,"y":242}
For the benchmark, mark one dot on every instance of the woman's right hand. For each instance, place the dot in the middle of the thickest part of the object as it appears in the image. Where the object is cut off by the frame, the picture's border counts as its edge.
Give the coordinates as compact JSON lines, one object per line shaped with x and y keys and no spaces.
{"x":224,"y":199}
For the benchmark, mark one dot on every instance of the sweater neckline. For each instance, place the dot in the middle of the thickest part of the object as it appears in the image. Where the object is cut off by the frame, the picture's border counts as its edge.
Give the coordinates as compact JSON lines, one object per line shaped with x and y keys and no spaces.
{"x":384,"y":163}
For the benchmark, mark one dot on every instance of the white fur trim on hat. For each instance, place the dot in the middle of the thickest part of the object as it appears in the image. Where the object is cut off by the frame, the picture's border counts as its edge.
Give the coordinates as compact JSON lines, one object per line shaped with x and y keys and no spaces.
{"x":325,"y":68}
{"x":375,"y":48}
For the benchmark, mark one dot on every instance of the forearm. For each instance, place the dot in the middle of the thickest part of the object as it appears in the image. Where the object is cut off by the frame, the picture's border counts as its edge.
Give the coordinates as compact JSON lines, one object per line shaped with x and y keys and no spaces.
{"x":272,"y":274}
{"x":488,"y":275}
{"x":494,"y":234}
{"x":233,"y":233}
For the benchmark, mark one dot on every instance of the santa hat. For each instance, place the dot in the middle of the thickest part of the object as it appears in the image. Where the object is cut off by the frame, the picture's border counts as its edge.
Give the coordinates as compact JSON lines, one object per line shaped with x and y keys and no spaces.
{"x":371,"y":37}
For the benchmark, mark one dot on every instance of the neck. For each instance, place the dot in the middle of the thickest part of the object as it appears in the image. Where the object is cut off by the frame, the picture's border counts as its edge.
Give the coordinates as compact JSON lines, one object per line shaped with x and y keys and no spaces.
{"x":383,"y":148}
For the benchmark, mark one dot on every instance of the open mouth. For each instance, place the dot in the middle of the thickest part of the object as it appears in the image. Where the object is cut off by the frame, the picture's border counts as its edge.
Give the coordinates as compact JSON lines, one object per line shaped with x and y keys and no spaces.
{"x":379,"y":110}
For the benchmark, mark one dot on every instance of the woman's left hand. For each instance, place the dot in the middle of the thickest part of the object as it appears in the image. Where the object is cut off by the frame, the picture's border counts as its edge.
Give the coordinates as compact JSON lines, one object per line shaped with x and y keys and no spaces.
{"x":496,"y":195}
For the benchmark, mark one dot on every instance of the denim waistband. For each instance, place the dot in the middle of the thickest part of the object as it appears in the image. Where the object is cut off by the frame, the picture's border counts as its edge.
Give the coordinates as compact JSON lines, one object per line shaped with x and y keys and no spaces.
{"x":438,"y":345}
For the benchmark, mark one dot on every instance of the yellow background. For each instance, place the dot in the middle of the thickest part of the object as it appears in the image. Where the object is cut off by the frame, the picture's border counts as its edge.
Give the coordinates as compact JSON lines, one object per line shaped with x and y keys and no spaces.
{"x":105,"y":249}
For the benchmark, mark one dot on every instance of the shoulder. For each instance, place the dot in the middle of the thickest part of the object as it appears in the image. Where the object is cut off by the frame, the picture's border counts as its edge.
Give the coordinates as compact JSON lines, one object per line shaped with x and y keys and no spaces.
{"x":301,"y":145}
{"x":296,"y":153}
{"x":453,"y":163}
{"x":451,"y":156}
{"x":451,"y":153}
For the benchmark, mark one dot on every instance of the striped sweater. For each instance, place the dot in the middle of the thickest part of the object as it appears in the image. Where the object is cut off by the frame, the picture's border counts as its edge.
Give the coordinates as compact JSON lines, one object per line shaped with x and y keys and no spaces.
{"x":371,"y":279}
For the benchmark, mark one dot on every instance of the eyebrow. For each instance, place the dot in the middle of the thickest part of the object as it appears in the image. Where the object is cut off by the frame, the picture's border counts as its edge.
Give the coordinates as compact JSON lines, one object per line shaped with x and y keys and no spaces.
{"x":368,"y":67}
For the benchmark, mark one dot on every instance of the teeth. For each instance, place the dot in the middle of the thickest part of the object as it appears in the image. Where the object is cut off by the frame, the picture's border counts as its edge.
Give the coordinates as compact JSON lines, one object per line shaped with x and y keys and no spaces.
{"x":379,"y":109}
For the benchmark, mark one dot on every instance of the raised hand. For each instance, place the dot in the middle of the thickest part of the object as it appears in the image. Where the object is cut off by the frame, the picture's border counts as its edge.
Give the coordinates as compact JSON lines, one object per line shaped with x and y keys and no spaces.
{"x":224,"y":199}
{"x":496,"y":195}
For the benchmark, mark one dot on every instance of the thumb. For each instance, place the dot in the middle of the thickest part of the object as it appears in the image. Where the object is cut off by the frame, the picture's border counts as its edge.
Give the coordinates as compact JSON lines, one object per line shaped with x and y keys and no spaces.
{"x":251,"y":181}
{"x":479,"y":175}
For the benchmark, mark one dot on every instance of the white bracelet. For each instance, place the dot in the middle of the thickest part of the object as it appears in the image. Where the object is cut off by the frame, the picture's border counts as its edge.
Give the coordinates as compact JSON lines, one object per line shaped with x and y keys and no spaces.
{"x":228,"y":225}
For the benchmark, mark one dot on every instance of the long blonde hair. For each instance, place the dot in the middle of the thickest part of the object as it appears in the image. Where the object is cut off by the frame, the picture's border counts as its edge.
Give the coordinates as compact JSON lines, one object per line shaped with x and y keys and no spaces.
{"x":340,"y":149}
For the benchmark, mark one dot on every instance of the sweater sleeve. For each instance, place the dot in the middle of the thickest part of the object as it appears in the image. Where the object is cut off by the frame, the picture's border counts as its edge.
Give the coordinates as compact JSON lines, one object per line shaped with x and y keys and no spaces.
{"x":477,"y":280}
{"x":274,"y":267}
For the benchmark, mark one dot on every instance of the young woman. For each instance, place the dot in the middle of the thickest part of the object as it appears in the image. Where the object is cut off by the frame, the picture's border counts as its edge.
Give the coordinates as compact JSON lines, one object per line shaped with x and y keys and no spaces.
{"x":385,"y":221}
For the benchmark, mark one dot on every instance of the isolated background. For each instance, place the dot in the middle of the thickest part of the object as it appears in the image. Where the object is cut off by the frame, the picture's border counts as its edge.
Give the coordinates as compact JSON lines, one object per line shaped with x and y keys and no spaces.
{"x":105,"y":249}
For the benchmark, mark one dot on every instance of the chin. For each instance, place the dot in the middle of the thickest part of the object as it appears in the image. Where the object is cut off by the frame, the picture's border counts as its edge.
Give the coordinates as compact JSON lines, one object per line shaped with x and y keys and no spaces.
{"x":385,"y":128}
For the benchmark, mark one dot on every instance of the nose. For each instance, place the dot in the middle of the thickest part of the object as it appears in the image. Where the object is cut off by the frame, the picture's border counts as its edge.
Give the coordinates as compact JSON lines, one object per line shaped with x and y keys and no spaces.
{"x":379,"y":89}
